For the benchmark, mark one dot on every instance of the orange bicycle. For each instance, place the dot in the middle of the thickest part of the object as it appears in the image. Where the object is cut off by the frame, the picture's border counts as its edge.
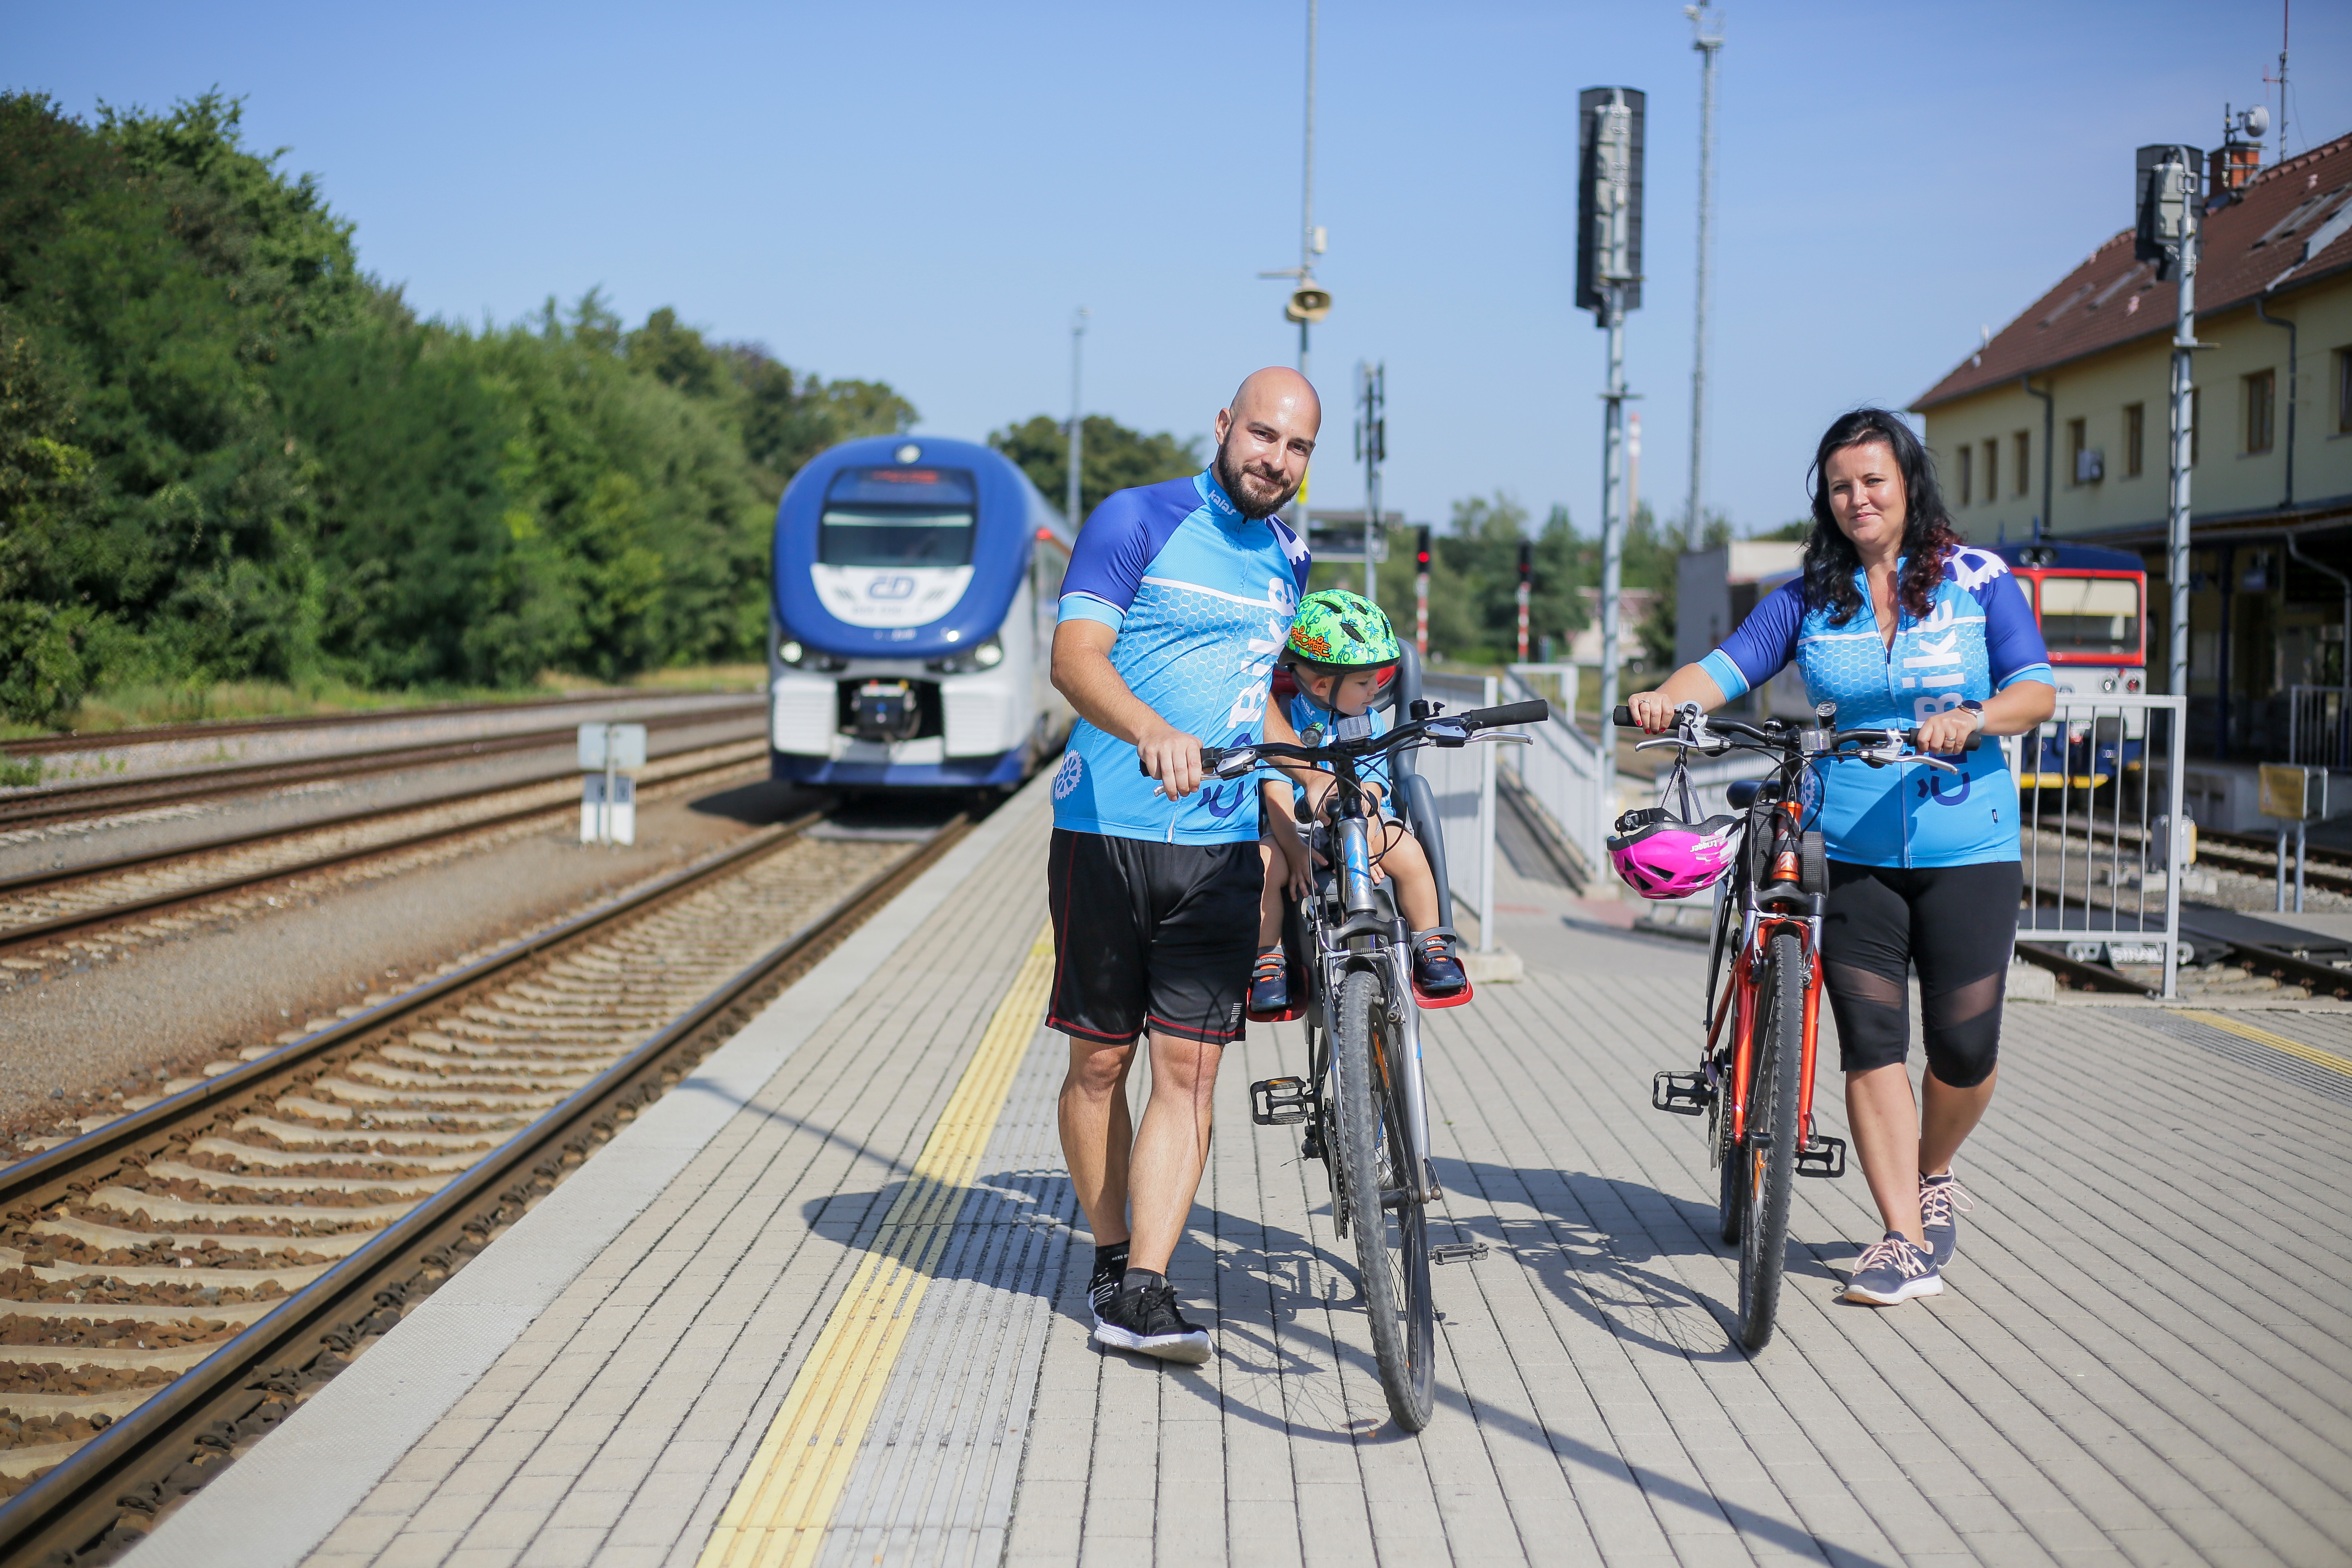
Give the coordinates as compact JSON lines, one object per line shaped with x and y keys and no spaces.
{"x":1756,"y":1088}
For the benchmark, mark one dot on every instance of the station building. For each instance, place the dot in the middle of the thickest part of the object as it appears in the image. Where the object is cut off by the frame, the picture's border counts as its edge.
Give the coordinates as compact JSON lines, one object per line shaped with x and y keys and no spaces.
{"x":2060,"y":422}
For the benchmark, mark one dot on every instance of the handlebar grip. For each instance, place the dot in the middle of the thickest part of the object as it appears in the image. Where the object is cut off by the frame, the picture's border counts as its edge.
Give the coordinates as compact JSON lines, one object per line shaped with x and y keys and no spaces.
{"x":1622,"y":717}
{"x":1533,"y":712}
{"x":1210,"y":757}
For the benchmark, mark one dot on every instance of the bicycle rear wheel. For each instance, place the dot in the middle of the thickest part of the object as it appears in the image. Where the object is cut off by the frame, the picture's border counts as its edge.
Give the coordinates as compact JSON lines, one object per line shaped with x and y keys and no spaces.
{"x":1383,"y":1196}
{"x":1768,"y":1161}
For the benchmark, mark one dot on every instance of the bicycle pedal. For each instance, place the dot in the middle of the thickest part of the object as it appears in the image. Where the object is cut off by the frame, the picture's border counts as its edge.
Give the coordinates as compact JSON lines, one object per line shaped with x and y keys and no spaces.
{"x":1681,"y":1093}
{"x":1457,"y":1252}
{"x":1822,"y":1157}
{"x":1280,"y":1101}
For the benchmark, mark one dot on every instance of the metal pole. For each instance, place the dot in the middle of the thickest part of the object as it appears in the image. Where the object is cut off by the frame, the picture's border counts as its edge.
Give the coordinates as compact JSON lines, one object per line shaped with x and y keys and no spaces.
{"x":1306,"y":197}
{"x":2184,"y":340}
{"x":1613,"y":522}
{"x":1372,"y":381}
{"x":1708,"y":45}
{"x":1077,"y":429}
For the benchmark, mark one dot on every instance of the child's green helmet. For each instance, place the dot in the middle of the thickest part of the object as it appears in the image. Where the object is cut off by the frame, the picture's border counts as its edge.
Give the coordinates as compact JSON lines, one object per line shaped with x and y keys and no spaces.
{"x":1339,"y":630}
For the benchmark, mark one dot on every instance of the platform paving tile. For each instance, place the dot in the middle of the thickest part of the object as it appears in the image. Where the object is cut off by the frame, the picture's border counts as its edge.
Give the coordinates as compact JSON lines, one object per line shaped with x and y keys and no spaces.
{"x":2098,"y":1385}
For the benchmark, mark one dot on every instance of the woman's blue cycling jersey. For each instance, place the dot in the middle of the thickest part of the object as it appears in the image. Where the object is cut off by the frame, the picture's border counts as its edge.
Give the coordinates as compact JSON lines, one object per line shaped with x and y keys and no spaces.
{"x":1977,"y":637}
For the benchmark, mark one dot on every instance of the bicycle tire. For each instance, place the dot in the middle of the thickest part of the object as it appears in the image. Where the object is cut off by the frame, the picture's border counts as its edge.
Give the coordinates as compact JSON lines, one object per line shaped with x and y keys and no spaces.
{"x":1392,"y":1241}
{"x":1770,"y":1164}
{"x":1731,"y":1186}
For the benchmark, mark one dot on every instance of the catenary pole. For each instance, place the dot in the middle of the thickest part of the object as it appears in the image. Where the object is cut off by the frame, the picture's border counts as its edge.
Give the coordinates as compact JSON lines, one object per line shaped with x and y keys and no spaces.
{"x":1078,"y":428}
{"x":1707,"y":37}
{"x":1306,"y":196}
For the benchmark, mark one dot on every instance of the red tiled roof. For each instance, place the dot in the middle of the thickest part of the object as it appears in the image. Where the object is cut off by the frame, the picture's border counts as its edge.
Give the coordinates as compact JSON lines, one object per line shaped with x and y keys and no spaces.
{"x":2257,"y":240}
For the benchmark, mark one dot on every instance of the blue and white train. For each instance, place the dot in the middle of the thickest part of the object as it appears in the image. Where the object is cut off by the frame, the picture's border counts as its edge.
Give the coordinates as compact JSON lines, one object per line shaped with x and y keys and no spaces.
{"x":916,"y":586}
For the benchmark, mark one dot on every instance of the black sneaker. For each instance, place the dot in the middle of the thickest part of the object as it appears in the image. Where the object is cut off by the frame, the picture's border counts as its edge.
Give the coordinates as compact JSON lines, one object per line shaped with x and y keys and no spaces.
{"x":1270,"y":983}
{"x":1435,"y":970}
{"x":1146,"y":1320}
{"x":1110,"y":1264}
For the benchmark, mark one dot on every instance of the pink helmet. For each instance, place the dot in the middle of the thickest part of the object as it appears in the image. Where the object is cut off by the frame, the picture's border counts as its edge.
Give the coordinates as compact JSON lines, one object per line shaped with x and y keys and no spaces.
{"x":1662,"y":856}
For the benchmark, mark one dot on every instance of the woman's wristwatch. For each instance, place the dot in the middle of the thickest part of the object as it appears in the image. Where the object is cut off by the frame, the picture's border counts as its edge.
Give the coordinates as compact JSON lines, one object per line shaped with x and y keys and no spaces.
{"x":1969,"y":705}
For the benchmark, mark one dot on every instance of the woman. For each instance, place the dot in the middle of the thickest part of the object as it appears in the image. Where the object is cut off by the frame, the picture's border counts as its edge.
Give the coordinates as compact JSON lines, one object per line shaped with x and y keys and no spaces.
{"x":1897,"y":623}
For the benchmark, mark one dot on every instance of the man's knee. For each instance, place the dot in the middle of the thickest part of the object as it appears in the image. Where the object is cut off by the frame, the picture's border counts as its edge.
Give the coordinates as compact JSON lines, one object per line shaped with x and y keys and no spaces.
{"x":1183,"y":1066}
{"x":1096,"y":1069}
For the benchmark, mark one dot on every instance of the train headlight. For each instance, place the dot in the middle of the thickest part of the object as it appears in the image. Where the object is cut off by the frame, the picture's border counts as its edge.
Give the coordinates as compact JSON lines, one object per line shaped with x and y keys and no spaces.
{"x":790,"y":651}
{"x":987,"y":656}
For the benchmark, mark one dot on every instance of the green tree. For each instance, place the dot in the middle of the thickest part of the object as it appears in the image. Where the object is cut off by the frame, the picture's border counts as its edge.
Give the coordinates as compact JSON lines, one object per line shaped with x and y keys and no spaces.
{"x":1113,"y":458}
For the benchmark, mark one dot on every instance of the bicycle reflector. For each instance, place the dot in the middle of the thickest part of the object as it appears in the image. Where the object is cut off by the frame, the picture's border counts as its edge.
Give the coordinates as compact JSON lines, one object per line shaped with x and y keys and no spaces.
{"x":1659,"y":856}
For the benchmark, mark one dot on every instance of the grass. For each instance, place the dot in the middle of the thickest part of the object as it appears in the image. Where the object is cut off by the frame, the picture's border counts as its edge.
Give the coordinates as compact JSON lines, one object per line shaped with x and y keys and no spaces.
{"x":134,"y":707}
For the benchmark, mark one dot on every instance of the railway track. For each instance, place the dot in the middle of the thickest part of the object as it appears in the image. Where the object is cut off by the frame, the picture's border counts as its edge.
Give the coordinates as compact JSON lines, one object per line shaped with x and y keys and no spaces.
{"x":54,"y":803}
{"x":171,"y":1283}
{"x":47,"y":906}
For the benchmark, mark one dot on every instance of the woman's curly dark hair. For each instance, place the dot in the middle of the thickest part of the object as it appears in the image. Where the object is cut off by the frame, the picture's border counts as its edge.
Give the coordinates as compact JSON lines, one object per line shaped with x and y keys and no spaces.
{"x":1830,"y":559}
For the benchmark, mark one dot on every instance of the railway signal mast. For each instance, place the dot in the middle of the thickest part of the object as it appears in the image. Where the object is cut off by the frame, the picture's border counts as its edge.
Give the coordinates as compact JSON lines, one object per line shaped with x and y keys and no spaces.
{"x":1372,"y":449}
{"x":2168,"y":235}
{"x":1707,"y":37}
{"x":1421,"y":593}
{"x":1527,"y":584}
{"x":1609,"y":284}
{"x":1077,"y":431}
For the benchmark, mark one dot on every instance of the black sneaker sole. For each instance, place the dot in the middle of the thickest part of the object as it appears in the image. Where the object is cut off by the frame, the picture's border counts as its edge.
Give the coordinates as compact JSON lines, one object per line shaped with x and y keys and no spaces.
{"x":1190,"y":1348}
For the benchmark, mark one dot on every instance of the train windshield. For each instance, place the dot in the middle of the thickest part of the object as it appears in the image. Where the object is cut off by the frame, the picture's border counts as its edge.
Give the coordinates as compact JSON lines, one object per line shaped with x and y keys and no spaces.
{"x":871,"y":536}
{"x":897,"y":516}
{"x":2091,"y":615}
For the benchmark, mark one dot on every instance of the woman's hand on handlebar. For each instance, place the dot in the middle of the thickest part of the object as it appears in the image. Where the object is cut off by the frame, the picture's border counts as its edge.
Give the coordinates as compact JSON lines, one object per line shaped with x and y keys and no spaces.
{"x":1947,"y":733}
{"x":1653,"y":711}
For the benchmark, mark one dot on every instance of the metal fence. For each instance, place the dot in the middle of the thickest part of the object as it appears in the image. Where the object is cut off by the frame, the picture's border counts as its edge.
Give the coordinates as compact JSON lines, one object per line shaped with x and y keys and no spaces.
{"x":2319,"y":726}
{"x":1560,"y":770}
{"x":2099,"y":792}
{"x":1463,"y":781}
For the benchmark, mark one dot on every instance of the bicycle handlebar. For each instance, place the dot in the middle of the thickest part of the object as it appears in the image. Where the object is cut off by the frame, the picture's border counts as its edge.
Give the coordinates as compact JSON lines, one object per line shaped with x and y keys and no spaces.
{"x":1444,"y":730}
{"x":1786,"y":740}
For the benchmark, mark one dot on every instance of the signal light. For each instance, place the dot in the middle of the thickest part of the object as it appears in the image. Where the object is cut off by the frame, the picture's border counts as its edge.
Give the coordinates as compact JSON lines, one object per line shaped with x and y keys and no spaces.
{"x":1527,"y":561}
{"x":1421,"y":550}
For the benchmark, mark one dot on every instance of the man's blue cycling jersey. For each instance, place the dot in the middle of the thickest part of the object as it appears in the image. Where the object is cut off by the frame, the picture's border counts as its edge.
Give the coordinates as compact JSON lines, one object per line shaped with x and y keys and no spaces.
{"x":1979,"y":637}
{"x":1202,"y":598}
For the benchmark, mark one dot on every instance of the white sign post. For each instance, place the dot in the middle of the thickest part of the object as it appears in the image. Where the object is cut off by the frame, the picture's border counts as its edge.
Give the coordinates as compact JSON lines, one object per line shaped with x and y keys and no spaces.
{"x":611,"y":755}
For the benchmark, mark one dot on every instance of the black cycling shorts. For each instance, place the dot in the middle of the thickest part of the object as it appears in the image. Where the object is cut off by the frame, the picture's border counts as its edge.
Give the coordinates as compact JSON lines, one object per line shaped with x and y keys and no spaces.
{"x":1958,"y":925}
{"x":1151,"y":936}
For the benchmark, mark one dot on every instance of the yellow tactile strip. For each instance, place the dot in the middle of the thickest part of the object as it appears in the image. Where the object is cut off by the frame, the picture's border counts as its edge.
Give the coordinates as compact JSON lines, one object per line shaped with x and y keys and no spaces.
{"x":778,"y":1516}
{"x":2261,"y":1037}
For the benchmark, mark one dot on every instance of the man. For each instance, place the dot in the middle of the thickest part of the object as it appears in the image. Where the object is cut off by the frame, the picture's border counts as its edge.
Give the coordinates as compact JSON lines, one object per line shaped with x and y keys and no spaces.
{"x":1178,"y":597}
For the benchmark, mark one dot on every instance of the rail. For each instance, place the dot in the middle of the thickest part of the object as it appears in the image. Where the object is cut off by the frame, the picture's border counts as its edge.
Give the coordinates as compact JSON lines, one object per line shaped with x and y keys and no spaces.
{"x":1559,"y":771}
{"x":1461,"y":783}
{"x":2319,"y":726}
{"x":101,"y":1495}
{"x":2099,"y":790}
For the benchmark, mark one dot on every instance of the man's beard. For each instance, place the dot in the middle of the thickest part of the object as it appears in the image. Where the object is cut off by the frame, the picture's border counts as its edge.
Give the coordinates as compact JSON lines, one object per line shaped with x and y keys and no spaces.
{"x":1230,"y":482}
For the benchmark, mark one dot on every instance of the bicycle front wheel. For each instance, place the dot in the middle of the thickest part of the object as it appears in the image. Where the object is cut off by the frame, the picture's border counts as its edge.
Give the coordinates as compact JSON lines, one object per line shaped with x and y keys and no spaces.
{"x":1768,"y":1157}
{"x":1383,"y":1197}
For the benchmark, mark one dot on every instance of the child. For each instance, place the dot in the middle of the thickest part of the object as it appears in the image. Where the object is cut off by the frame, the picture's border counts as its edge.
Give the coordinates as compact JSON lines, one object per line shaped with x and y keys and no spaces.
{"x":1341,"y":652}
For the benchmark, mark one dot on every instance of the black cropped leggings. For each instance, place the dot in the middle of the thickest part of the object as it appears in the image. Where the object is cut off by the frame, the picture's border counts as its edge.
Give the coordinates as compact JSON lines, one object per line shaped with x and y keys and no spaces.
{"x":1958,"y":925}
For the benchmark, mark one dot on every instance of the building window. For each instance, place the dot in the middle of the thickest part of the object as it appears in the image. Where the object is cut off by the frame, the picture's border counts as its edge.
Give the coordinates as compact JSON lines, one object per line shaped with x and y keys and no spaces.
{"x":1967,"y":460}
{"x":2024,"y":463}
{"x":2134,"y":439}
{"x":1992,"y":472}
{"x":2261,"y":400}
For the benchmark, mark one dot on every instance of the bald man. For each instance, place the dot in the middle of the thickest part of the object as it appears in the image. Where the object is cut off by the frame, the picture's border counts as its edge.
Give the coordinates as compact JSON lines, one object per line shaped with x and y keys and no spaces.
{"x":1177,"y":597}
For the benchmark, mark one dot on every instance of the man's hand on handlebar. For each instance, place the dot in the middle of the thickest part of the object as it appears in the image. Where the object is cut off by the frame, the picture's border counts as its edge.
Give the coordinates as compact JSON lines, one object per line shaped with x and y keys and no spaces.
{"x":1172,"y":757}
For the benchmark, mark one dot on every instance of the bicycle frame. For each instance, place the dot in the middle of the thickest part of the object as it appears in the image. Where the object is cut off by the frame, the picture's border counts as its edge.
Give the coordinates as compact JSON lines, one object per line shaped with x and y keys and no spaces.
{"x":1757,"y":928}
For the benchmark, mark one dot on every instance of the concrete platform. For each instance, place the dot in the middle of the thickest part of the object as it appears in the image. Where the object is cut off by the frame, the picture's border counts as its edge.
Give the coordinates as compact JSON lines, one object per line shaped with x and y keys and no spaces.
{"x":825,"y":1304}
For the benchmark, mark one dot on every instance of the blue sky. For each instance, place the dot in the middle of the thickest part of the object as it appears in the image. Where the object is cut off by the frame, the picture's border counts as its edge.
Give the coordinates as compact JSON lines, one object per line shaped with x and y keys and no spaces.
{"x":923,"y":193}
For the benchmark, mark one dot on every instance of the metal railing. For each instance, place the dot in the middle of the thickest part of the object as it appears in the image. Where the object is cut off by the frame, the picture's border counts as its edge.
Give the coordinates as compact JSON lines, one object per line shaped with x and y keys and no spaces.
{"x":1463,"y":783}
{"x":1560,"y":770}
{"x":2099,"y":790}
{"x":2319,"y":726}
